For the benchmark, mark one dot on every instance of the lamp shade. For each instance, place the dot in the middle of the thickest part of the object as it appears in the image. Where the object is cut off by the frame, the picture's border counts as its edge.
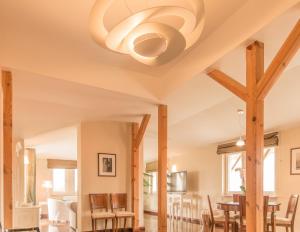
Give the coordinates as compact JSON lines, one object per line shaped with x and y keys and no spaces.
{"x":151,"y":31}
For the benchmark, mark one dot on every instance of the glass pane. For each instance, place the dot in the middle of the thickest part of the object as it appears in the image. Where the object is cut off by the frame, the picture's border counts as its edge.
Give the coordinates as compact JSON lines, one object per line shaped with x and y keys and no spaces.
{"x":234,"y":169}
{"x":75,"y":180}
{"x":59,"y":180}
{"x":154,"y":183}
{"x":269,"y":170}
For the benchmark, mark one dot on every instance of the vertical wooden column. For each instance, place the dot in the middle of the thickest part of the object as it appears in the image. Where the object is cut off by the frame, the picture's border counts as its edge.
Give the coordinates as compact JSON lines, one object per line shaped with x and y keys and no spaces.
{"x":254,"y":138}
{"x":138,"y":132}
{"x":7,"y":147}
{"x":259,"y":83}
{"x":135,"y":175}
{"x":162,"y":167}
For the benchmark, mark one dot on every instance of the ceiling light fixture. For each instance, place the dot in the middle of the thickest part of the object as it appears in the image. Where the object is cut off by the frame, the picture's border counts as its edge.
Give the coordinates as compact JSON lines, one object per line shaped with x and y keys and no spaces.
{"x":152,"y":32}
{"x":240,"y":142}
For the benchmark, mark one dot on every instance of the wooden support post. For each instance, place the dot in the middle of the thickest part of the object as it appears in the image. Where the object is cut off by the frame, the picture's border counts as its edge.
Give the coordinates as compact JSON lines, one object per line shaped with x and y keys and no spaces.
{"x":7,"y":147}
{"x":138,"y":133}
{"x":283,"y":57}
{"x":254,"y":139}
{"x":135,"y":176}
{"x":162,"y":168}
{"x":258,"y":86}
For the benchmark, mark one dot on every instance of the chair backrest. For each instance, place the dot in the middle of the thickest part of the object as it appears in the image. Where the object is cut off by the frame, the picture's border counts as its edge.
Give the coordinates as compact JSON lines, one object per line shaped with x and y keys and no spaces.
{"x":98,"y":201}
{"x":242,"y":206}
{"x":266,"y":206}
{"x":292,"y":207}
{"x":210,"y":210}
{"x":236,"y":197}
{"x":118,"y":201}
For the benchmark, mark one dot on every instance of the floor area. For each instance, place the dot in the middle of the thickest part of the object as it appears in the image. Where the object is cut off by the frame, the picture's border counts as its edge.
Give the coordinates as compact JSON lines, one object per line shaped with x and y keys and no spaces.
{"x":175,"y":226}
{"x":47,"y":227}
{"x":150,"y":226}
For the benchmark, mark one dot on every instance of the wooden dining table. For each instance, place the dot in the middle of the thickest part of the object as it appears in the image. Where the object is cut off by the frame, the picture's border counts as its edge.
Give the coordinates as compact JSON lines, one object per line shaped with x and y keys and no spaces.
{"x":232,"y":206}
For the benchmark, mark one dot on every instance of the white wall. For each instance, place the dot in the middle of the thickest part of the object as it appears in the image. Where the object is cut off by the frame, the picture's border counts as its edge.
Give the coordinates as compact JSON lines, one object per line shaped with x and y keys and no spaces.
{"x":105,"y":137}
{"x":287,"y":184}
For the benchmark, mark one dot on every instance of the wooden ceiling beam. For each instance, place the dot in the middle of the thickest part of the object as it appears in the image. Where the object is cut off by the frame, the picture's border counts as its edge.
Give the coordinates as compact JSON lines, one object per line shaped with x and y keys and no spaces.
{"x":142,"y":130}
{"x":229,"y":83}
{"x":280,"y":62}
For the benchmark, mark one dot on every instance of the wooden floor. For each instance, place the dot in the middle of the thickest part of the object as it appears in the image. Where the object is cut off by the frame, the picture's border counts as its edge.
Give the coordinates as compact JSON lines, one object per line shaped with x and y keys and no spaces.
{"x":46,"y":227}
{"x":174,"y":226}
{"x":150,"y":226}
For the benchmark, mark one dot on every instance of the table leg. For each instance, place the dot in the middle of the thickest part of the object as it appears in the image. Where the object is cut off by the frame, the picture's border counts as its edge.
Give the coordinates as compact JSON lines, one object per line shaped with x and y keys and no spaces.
{"x":226,"y":226}
{"x":273,"y":221}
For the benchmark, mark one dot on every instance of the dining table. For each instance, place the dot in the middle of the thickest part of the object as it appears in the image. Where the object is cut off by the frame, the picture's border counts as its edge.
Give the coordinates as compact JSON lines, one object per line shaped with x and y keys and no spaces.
{"x":232,"y":206}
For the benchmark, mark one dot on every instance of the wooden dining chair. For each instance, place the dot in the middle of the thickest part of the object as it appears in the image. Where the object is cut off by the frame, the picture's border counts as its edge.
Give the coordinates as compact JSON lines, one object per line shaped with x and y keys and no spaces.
{"x":220,"y":219}
{"x":266,"y":207}
{"x":288,"y":221}
{"x":119,"y":207}
{"x":99,"y":210}
{"x":242,"y":207}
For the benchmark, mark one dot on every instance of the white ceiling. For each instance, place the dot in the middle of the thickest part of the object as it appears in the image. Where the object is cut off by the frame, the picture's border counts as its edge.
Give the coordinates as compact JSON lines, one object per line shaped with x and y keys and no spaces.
{"x":57,"y":144}
{"x":62,"y":77}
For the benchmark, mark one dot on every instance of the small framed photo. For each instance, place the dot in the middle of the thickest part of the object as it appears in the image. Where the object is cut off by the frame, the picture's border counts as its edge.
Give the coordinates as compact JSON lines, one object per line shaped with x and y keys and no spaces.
{"x":295,"y":161}
{"x":106,"y":164}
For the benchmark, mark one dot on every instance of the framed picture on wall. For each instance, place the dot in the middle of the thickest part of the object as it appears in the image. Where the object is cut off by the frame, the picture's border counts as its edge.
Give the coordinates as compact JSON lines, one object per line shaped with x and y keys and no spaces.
{"x":107,"y":164}
{"x":295,"y":161}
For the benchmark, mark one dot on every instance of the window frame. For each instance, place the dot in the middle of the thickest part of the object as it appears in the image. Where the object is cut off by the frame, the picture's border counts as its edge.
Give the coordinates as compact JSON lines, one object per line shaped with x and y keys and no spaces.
{"x":225,"y":172}
{"x":70,"y":185}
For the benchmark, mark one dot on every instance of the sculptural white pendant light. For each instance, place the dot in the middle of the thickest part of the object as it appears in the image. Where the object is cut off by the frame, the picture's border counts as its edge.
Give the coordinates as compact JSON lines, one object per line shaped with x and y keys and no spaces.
{"x":151,"y":31}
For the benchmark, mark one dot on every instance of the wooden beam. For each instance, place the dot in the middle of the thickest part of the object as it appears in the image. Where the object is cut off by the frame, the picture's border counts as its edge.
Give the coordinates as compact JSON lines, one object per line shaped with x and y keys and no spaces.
{"x":254,"y":139}
{"x":7,"y":147}
{"x":138,"y":133}
{"x":229,"y":83}
{"x":135,"y":161}
{"x":162,"y":167}
{"x":142,"y":129}
{"x":280,"y":61}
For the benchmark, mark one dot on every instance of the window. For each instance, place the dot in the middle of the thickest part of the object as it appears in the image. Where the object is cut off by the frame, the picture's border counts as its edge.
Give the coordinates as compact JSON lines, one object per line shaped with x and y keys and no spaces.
{"x":75,"y":180}
{"x":234,"y":171}
{"x":59,"y":180}
{"x":154,"y":182}
{"x":269,"y":170}
{"x":234,"y":167}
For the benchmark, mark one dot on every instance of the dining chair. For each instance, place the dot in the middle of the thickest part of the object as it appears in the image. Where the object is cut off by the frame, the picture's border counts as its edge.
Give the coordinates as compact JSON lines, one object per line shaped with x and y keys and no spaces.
{"x":242,"y":208}
{"x":220,"y":219}
{"x":266,"y":207}
{"x":119,"y":207}
{"x":99,"y":206}
{"x":289,"y":219}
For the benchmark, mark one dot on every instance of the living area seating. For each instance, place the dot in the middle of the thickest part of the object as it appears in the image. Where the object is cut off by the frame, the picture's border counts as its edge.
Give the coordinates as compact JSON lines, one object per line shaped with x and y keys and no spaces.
{"x":119,"y":207}
{"x":57,"y":211}
{"x":220,"y":219}
{"x":289,"y":219}
{"x":99,"y":205}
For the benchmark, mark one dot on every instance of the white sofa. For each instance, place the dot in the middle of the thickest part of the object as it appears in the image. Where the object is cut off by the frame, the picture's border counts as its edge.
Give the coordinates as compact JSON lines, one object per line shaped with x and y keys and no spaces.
{"x":57,"y":211}
{"x":73,"y":215}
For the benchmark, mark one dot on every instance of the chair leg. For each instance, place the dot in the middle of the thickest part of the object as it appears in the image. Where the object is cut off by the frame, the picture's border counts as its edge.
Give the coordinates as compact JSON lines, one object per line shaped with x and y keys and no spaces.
{"x":113,"y":225}
{"x":93,"y":225}
{"x":117,"y":224}
{"x":125,"y":223}
{"x":105,"y":224}
{"x":133,"y":223}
